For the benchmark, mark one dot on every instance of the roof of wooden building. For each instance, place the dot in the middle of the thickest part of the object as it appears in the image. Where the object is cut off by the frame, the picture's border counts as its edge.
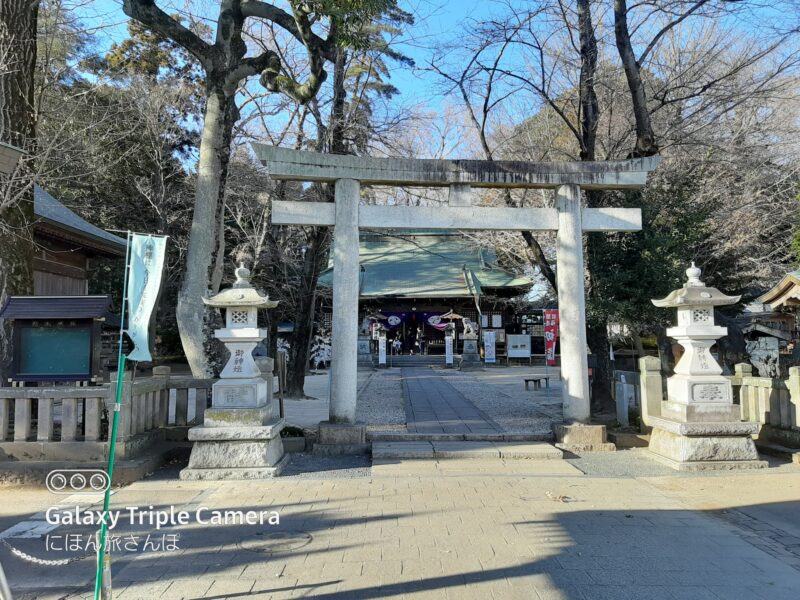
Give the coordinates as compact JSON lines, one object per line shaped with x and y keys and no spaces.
{"x":430,"y":265}
{"x":786,"y":294}
{"x":9,"y":155}
{"x":56,"y":220}
{"x":56,"y":307}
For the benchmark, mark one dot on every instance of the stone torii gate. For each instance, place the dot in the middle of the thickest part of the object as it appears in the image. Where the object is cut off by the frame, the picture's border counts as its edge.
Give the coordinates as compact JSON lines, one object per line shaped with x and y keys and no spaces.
{"x":568,"y":219}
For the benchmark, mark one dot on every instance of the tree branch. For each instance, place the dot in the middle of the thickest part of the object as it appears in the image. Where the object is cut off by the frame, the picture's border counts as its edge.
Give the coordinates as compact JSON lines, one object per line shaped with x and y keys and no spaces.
{"x":152,"y":17}
{"x":289,"y":23}
{"x":249,"y":67}
{"x":657,"y":37}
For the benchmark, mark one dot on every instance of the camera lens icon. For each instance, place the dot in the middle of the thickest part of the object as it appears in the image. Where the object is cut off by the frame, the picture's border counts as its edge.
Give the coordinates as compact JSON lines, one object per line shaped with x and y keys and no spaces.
{"x":56,"y":482}
{"x":77,"y":481}
{"x":99,"y":482}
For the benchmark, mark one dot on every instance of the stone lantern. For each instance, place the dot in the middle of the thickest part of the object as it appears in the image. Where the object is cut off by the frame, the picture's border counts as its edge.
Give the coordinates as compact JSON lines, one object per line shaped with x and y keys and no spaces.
{"x":699,"y":426}
{"x":240,"y":435}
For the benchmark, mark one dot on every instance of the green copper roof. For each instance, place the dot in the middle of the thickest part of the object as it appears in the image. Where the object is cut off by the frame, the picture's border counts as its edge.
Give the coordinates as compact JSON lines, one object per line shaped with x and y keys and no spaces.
{"x":428,"y":266}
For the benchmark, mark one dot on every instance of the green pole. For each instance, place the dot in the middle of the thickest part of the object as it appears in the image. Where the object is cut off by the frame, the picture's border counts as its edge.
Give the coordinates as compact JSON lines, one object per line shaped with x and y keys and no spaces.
{"x":112,"y":437}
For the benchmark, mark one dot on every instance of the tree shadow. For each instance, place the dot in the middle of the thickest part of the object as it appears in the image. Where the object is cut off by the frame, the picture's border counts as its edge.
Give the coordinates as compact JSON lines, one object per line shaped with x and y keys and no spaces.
{"x":567,"y":552}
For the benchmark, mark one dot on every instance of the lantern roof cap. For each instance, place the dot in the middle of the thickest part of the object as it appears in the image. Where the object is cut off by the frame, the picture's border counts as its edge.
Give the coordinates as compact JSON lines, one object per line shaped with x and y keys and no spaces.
{"x":695,"y":293}
{"x":241,"y":293}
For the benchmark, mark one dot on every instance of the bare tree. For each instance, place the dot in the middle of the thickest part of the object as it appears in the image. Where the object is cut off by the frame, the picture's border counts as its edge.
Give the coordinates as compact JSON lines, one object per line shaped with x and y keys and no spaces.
{"x":686,"y":65}
{"x":226,"y":66}
{"x":18,"y":23}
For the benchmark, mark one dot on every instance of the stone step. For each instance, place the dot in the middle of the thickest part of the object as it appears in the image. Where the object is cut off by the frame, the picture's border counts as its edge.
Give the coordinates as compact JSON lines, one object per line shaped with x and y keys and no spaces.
{"x":463,"y":449}
{"x":424,"y":360}
{"x":623,"y":439}
{"x":458,"y":437}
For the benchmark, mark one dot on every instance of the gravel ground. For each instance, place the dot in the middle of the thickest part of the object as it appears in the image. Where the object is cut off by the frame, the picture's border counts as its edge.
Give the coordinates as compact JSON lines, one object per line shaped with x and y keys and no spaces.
{"x":623,"y":463}
{"x":308,"y":466}
{"x":380,"y":402}
{"x":636,"y":462}
{"x":500,"y":393}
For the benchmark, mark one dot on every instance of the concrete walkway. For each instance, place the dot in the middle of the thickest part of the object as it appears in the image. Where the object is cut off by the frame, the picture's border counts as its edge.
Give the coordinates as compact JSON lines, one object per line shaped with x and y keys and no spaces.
{"x":434,"y":406}
{"x":447,"y":530}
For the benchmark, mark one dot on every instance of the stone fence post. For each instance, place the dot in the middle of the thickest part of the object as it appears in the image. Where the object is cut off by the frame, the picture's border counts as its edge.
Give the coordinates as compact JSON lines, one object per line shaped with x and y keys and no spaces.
{"x":126,"y":426}
{"x":651,"y":388}
{"x":162,"y":410}
{"x":793,"y":385}
{"x":742,"y":371}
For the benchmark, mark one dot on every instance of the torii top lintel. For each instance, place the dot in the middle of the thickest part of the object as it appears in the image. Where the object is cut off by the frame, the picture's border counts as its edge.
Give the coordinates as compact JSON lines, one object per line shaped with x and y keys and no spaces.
{"x":301,"y":165}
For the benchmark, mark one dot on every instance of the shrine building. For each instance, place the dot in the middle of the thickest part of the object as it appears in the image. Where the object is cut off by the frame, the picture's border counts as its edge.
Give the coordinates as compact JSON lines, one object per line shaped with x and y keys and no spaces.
{"x":414,"y":283}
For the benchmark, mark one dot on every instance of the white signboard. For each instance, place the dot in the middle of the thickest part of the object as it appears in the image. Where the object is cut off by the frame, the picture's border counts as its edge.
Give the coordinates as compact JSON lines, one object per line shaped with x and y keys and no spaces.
{"x":488,"y":347}
{"x":518,"y":346}
{"x":497,"y":321}
{"x":484,"y":320}
{"x":448,"y":350}
{"x":382,"y":350}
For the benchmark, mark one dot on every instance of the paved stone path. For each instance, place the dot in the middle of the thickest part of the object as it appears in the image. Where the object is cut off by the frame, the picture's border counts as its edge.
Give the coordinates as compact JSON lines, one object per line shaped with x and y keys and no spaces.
{"x":434,"y":406}
{"x":447,"y":530}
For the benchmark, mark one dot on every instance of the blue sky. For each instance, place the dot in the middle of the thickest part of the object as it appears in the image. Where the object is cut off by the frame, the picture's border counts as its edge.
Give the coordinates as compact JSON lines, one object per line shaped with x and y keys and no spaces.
{"x":436,"y":21}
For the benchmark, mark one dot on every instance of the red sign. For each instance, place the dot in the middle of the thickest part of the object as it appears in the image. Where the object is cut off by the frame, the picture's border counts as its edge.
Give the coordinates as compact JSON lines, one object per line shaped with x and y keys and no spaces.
{"x":550,"y":336}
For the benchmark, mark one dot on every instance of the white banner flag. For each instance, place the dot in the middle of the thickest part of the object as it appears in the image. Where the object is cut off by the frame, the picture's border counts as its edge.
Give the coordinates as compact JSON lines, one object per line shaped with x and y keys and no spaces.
{"x":489,"y":338}
{"x":448,"y":350}
{"x":144,"y":280}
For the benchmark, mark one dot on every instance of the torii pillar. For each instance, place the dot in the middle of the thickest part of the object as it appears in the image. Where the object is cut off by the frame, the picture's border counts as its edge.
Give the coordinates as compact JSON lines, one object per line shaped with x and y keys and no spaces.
{"x":572,"y":305}
{"x":344,"y":330}
{"x":569,"y":219}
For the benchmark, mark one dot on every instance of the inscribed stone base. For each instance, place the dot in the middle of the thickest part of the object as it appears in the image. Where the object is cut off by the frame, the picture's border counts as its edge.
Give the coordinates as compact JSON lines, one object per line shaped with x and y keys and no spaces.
{"x":579,"y":437}
{"x":699,"y":389}
{"x":236,"y":417}
{"x":239,"y":393}
{"x":704,"y":452}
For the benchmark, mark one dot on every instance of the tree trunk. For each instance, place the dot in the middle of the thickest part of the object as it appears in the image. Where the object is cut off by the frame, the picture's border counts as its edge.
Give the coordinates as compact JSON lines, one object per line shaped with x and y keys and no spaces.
{"x":637,"y":343}
{"x":645,"y":138}
{"x":590,"y":112}
{"x":218,"y":273}
{"x":193,"y":318}
{"x":539,"y":260}
{"x":18,"y":28}
{"x":665,"y":352}
{"x":602,"y":402}
{"x":313,"y":261}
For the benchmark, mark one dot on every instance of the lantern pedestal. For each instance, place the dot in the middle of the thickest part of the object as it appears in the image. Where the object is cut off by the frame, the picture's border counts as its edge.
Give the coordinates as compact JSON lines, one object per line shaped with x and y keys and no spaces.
{"x":470,"y":356}
{"x":240,"y":437}
{"x":700,"y":428}
{"x":365,"y":360}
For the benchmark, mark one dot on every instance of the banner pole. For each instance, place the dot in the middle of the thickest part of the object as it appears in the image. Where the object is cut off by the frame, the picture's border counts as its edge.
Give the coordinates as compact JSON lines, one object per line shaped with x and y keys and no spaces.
{"x":112,"y":437}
